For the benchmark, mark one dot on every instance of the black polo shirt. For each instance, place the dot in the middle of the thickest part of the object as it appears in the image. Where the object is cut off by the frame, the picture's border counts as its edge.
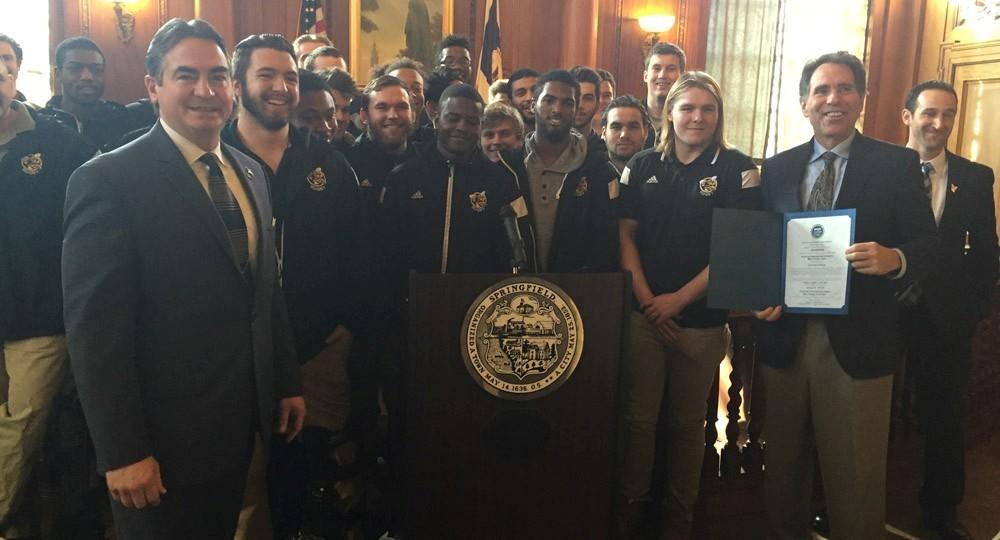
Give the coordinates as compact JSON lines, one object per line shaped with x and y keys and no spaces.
{"x":673,"y":204}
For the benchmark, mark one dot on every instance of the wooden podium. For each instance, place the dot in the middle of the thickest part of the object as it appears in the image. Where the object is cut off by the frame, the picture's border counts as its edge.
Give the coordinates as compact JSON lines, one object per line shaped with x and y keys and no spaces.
{"x":479,"y":466}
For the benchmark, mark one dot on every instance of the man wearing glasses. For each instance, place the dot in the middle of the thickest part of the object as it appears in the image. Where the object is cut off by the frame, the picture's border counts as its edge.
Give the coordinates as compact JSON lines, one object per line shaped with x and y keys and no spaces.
{"x":456,"y":53}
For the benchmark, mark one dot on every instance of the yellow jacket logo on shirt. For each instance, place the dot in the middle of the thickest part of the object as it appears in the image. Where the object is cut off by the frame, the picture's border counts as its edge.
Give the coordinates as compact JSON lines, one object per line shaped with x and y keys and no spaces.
{"x":317,"y":180}
{"x":478,"y":201}
{"x":32,"y":164}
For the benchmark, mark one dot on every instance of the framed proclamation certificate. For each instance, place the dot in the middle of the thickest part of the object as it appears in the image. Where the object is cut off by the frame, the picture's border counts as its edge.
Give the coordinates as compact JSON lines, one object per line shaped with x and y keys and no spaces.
{"x":797,"y":260}
{"x":816,"y":276}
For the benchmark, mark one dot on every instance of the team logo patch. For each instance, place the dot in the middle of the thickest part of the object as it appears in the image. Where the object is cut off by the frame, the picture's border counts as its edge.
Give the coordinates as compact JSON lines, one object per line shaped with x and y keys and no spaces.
{"x":415,"y":196}
{"x":523,"y":338}
{"x":317,"y":180}
{"x":707,"y":186}
{"x":366,"y":183}
{"x":478,"y":201}
{"x":31,"y":164}
{"x":652,"y":180}
{"x":581,"y":187}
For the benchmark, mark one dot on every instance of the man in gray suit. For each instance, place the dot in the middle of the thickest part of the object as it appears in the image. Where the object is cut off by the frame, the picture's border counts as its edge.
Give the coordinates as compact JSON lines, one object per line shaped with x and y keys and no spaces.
{"x":176,"y":327}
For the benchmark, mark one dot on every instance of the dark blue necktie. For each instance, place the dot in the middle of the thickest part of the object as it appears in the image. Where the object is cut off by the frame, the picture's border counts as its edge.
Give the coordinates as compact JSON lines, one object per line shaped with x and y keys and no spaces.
{"x":927,"y":168}
{"x":228,"y":209}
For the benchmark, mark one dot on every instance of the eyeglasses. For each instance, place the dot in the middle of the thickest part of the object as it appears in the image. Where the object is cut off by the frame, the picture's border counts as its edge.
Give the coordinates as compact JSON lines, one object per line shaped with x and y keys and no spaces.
{"x":464,"y":62}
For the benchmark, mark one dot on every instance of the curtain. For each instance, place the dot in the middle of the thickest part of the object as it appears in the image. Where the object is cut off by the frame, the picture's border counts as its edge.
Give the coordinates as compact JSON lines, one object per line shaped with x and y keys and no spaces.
{"x":742,"y":41}
{"x":756,"y":50}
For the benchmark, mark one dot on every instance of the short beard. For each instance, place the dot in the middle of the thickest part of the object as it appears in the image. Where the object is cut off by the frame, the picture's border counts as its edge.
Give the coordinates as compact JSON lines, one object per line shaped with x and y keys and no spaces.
{"x":380,"y":142}
{"x":552,"y":136}
{"x":270,"y":124}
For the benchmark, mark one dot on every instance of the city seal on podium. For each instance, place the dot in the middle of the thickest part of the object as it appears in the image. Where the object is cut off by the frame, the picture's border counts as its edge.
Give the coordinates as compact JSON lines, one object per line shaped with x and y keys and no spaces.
{"x":522,"y":338}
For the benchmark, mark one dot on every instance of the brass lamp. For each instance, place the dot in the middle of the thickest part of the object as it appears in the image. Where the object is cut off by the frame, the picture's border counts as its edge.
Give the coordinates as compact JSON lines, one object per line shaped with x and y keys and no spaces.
{"x":654,"y":25}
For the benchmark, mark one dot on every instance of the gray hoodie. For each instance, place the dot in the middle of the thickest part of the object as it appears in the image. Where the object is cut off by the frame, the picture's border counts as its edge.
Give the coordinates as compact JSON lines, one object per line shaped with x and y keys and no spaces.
{"x":545,"y":184}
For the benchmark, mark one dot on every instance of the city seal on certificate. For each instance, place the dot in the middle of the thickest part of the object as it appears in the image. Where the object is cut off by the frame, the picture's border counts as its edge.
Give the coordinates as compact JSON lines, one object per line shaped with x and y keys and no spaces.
{"x":522,"y":338}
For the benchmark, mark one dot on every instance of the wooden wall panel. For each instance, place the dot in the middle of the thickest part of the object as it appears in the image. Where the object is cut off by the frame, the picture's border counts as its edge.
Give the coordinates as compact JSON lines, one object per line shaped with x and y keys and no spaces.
{"x":892,"y":65}
{"x":538,"y":34}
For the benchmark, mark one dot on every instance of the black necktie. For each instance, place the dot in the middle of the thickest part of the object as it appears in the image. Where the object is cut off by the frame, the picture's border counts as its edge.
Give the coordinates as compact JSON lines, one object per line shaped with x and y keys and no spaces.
{"x":228,"y":209}
{"x":927,"y":169}
{"x":821,"y":196}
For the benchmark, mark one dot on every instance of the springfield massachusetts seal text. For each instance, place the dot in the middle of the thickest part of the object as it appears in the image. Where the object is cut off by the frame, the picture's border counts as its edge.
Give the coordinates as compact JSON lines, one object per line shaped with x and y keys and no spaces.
{"x":522,"y":338}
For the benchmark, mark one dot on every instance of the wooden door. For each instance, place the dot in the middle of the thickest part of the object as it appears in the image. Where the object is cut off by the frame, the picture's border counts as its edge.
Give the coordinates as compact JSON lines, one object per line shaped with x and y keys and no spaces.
{"x":974,"y":70}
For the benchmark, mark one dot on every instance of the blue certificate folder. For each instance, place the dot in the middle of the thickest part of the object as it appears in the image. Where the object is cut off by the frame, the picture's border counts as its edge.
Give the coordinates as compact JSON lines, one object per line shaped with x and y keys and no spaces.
{"x":748,"y":256}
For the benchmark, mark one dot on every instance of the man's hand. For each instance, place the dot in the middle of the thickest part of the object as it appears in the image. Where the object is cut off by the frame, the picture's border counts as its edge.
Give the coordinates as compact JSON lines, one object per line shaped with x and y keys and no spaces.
{"x":769,"y":314}
{"x":873,"y":259}
{"x":663,"y":307}
{"x":291,"y":416}
{"x":669,"y":330}
{"x":136,"y":485}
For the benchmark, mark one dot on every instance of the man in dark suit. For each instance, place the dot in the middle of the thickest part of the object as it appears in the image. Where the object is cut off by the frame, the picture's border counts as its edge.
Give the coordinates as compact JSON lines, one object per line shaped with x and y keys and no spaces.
{"x":829,"y":378}
{"x":941,"y":316}
{"x":176,"y":327}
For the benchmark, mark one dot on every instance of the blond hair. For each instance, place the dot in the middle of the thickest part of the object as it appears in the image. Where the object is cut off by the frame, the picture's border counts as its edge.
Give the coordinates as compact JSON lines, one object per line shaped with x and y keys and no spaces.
{"x":687,"y":81}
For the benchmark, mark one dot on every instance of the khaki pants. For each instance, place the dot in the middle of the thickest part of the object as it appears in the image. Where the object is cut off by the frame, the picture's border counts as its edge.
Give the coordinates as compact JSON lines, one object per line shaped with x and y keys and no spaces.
{"x":814,"y":404}
{"x":33,"y":368}
{"x":684,"y":370}
{"x":255,"y":515}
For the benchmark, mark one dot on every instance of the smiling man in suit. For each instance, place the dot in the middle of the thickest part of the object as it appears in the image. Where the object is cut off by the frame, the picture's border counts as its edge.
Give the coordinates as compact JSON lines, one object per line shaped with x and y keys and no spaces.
{"x":829,"y":378}
{"x":940,"y":319}
{"x":176,"y":327}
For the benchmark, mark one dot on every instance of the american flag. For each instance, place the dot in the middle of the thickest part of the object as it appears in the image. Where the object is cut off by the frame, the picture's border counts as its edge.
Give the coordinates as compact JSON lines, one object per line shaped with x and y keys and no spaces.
{"x":311,"y":18}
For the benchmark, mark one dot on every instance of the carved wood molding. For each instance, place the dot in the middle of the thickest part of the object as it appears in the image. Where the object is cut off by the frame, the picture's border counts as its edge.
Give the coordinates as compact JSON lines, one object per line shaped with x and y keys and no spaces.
{"x":85,"y":17}
{"x":682,"y":21}
{"x":162,"y":12}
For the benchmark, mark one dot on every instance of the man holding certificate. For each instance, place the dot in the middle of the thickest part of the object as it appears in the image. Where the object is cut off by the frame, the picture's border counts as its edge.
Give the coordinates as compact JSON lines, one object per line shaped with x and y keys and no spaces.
{"x":829,"y":377}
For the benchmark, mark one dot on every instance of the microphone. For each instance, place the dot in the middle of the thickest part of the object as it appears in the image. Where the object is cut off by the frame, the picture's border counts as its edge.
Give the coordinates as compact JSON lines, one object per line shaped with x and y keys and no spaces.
{"x":509,"y":217}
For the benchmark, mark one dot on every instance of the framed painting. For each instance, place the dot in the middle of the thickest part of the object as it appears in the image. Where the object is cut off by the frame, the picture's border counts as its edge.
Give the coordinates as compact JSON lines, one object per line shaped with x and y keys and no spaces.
{"x":384,"y":29}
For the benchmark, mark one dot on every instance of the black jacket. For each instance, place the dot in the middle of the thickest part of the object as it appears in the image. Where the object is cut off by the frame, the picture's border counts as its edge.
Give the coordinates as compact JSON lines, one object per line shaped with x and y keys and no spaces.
{"x":110,"y":122}
{"x":33,"y":176}
{"x":417,"y":220}
{"x":959,"y":286}
{"x":372,"y":165}
{"x":585,"y":237}
{"x":323,"y":239}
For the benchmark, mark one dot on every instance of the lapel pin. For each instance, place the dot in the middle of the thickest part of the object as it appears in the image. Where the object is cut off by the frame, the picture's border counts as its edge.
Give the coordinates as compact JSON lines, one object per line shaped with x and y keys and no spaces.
{"x":954,"y":188}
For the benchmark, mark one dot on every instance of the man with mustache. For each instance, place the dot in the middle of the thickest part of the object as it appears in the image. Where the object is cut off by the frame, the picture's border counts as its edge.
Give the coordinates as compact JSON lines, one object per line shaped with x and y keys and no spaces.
{"x":37,"y":156}
{"x":624,"y":125}
{"x":522,"y":95}
{"x":80,"y":67}
{"x":322,"y":247}
{"x":561,"y":180}
{"x":664,"y":64}
{"x":387,"y":113}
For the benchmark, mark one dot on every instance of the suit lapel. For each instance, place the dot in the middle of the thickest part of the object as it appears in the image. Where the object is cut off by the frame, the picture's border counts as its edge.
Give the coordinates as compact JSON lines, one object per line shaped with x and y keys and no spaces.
{"x":856,"y":174}
{"x":183,"y":180}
